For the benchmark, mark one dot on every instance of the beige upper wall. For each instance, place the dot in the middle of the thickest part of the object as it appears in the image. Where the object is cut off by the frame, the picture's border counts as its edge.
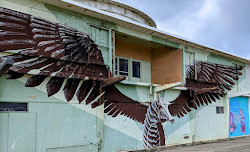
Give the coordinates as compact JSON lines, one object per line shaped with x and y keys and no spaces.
{"x":129,"y":48}
{"x":166,"y":66}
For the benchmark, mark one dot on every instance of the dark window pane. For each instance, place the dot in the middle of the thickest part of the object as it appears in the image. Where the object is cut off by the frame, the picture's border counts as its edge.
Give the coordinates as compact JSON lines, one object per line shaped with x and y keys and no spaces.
{"x":222,"y":110}
{"x":219,"y":110}
{"x":123,"y":67}
{"x":12,"y":106}
{"x":136,"y":69}
{"x":116,"y":66}
{"x":115,"y":63}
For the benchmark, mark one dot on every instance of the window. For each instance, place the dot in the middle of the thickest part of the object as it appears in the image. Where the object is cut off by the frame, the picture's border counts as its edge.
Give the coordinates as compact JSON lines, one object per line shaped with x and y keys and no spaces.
{"x":219,"y":110}
{"x":136,"y":66}
{"x":123,"y":66}
{"x":134,"y":70}
{"x":12,"y":106}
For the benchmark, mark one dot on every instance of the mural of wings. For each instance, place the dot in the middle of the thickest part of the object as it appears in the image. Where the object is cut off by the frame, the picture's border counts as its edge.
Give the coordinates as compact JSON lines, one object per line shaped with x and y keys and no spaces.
{"x":206,"y":82}
{"x":66,"y":54}
{"x":53,"y":50}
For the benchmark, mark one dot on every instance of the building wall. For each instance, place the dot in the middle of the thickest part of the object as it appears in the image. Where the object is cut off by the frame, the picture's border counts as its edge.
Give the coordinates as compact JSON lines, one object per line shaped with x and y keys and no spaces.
{"x":52,"y":124}
{"x":248,"y":77}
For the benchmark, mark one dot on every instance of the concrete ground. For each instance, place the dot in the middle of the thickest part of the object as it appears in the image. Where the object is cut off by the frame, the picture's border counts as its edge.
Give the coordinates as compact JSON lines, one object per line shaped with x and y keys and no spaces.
{"x":233,"y":145}
{"x":241,"y":144}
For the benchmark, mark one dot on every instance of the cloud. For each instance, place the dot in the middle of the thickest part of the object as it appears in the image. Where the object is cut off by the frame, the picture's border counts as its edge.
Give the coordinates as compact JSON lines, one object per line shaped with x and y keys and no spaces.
{"x":221,"y":24}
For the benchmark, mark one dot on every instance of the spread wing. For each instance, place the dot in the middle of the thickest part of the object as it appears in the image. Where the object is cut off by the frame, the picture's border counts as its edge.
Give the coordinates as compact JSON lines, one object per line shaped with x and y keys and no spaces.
{"x":64,"y":53}
{"x":206,"y":82}
{"x":117,"y":103}
{"x":49,"y":49}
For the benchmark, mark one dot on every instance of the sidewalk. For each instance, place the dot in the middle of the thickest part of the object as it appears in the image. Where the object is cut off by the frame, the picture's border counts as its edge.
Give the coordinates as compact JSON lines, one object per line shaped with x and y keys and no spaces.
{"x":241,"y":144}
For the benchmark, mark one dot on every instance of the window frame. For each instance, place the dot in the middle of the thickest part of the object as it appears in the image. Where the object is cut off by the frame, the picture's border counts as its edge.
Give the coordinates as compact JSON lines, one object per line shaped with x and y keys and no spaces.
{"x":219,"y":109}
{"x":117,"y":66}
{"x":130,"y":68}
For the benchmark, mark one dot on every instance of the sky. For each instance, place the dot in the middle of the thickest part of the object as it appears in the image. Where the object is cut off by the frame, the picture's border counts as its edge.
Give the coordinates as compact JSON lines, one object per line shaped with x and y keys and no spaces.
{"x":220,"y":24}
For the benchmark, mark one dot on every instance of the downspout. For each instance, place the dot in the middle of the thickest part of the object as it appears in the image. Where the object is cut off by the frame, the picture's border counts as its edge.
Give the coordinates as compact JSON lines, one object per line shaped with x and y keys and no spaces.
{"x":110,"y":50}
{"x":113,"y":47}
{"x":183,"y":67}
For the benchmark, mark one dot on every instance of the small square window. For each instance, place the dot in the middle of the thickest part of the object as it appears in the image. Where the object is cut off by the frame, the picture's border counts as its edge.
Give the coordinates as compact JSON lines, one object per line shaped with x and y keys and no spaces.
{"x":219,"y":110}
{"x":136,"y":69}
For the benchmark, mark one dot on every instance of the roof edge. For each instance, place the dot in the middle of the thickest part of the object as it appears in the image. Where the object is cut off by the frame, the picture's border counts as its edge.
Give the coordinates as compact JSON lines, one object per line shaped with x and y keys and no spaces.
{"x":121,"y":21}
{"x":144,"y":15}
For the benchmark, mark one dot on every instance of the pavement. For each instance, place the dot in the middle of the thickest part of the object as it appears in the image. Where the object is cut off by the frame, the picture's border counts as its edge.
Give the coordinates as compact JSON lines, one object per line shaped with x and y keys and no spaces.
{"x":240,"y":144}
{"x":232,"y":145}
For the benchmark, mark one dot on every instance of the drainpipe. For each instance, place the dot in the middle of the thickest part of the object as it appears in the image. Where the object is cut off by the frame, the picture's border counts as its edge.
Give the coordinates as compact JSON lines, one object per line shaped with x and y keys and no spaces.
{"x":110,"y":50}
{"x":113,"y":47}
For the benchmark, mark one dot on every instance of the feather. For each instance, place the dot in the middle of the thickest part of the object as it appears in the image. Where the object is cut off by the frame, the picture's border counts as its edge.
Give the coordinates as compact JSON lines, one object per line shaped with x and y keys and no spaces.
{"x":35,"y":80}
{"x":70,"y":88}
{"x":54,"y":85}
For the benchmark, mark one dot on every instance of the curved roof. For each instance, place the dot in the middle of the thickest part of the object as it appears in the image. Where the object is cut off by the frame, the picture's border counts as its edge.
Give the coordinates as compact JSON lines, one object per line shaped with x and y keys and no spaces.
{"x":121,"y":9}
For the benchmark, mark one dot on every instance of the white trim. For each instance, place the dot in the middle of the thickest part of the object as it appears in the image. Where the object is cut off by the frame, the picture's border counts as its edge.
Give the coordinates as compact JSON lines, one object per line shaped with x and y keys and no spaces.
{"x":164,"y":87}
{"x":232,"y":95}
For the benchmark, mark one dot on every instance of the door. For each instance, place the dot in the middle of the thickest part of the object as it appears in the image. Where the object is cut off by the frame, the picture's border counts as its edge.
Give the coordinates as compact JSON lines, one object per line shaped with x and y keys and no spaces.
{"x":17,"y":132}
{"x":238,"y":117}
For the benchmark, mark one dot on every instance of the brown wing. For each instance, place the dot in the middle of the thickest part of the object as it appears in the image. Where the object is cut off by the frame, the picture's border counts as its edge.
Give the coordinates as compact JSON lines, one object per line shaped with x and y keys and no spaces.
{"x":52,"y":50}
{"x":39,"y":37}
{"x":117,"y":103}
{"x":206,"y":82}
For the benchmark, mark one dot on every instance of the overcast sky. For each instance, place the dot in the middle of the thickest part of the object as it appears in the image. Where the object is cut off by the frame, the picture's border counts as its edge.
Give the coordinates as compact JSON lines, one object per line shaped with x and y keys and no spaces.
{"x":220,"y":24}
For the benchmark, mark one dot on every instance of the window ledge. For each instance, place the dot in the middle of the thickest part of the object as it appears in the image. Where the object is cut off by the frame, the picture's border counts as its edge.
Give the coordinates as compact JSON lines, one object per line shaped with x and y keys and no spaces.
{"x":138,"y":83}
{"x":145,"y":84}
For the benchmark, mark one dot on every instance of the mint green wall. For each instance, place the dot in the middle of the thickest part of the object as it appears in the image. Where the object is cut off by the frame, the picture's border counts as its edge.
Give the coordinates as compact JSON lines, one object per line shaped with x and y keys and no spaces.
{"x":50,"y":123}
{"x":54,"y":125}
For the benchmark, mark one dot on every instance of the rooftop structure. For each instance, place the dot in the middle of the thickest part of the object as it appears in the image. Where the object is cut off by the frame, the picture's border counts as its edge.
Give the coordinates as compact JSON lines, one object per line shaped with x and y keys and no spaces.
{"x":120,"y":9}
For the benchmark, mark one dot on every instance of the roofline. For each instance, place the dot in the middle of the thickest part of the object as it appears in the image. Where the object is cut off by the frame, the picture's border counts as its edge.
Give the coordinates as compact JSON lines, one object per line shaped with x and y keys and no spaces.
{"x":142,"y":14}
{"x":130,"y":24}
